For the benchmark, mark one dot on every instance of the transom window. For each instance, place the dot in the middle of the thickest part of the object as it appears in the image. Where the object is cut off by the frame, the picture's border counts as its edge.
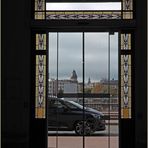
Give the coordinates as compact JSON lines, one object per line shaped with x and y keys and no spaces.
{"x":46,"y":10}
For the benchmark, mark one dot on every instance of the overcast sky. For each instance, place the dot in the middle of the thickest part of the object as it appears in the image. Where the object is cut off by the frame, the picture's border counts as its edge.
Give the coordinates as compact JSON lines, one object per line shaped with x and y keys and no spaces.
{"x":84,"y":6}
{"x":70,"y":55}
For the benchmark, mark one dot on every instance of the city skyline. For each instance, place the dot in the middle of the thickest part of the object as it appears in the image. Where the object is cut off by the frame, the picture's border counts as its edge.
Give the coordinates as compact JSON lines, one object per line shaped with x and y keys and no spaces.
{"x":70,"y":55}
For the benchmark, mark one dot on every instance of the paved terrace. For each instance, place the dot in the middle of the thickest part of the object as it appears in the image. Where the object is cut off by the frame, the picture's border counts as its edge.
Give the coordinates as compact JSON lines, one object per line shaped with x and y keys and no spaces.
{"x":77,"y":142}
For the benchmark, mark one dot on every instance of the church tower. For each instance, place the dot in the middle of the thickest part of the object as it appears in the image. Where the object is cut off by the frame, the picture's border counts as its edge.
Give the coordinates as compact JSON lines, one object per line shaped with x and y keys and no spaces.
{"x":73,"y":76}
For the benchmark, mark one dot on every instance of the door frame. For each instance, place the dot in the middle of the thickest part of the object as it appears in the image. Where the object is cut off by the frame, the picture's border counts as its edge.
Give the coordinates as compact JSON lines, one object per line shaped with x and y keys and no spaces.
{"x":81,"y":26}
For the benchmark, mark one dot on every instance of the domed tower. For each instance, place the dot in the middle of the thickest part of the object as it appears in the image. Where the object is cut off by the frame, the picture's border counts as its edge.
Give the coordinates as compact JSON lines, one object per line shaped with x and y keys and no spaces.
{"x":73,"y":76}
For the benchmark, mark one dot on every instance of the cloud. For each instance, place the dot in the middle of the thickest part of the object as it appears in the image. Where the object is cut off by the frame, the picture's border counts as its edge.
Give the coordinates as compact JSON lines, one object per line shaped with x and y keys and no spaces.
{"x":70,"y":55}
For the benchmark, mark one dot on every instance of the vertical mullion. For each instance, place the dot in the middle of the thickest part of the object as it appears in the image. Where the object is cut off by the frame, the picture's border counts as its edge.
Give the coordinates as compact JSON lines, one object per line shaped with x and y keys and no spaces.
{"x":47,"y":77}
{"x":109,"y":88}
{"x":57,"y":88}
{"x":83,"y":67}
{"x":119,"y":86}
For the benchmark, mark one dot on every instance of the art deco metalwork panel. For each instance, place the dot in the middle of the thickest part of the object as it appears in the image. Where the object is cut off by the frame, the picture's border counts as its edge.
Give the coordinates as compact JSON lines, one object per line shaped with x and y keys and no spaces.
{"x":39,"y":5}
{"x":42,"y":14}
{"x":39,"y":9}
{"x":40,"y":41}
{"x":40,"y":86}
{"x":125,"y":86}
{"x":127,"y":5}
{"x":125,"y":41}
{"x":127,"y":8}
{"x":40,"y":79}
{"x":74,"y":15}
{"x":125,"y":70}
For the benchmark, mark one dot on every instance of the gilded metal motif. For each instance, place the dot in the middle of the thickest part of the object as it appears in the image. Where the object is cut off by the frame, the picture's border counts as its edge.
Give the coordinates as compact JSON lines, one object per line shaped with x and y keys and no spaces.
{"x":126,"y":86}
{"x":58,"y":15}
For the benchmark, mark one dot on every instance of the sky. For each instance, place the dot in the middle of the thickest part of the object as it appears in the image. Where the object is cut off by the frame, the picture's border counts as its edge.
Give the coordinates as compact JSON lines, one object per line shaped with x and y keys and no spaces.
{"x":70,"y":55}
{"x":84,"y":6}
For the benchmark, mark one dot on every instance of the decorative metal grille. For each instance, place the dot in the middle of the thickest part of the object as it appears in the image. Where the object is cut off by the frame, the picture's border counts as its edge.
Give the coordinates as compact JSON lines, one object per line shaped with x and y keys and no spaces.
{"x":40,"y":92}
{"x":40,"y":86}
{"x":126,"y":88}
{"x":40,"y":41}
{"x":73,"y":15}
{"x":125,"y":41}
{"x":127,"y":8}
{"x":42,"y":14}
{"x":39,"y":9}
{"x":39,"y":15}
{"x":127,"y":5}
{"x":39,"y":5}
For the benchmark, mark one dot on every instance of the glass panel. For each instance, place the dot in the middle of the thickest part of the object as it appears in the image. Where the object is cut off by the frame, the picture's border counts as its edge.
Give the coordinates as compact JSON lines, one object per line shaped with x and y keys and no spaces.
{"x":66,"y":89}
{"x":96,"y":63}
{"x":70,"y":76}
{"x":114,"y":97}
{"x":65,"y":58}
{"x":40,"y":86}
{"x":83,"y":6}
{"x":98,"y":80}
{"x":125,"y":86}
{"x":96,"y":73}
{"x":52,"y":90}
{"x":85,"y":10}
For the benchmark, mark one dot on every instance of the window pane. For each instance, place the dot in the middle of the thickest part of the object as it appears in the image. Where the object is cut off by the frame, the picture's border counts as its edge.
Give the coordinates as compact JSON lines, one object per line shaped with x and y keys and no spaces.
{"x":83,"y":6}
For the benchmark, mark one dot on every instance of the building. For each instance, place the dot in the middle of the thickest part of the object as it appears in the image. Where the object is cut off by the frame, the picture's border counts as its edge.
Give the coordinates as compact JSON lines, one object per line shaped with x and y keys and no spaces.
{"x":64,"y":86}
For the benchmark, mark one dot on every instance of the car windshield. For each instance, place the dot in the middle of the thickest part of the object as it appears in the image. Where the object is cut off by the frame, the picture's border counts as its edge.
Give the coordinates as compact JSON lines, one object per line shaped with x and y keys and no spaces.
{"x":73,"y":104}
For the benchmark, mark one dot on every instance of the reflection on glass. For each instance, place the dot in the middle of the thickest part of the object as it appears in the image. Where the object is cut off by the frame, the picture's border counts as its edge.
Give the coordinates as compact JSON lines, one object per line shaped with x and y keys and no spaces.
{"x":65,"y":110}
{"x":67,"y":69}
{"x":70,"y":75}
{"x":52,"y":83}
{"x":96,"y":62}
{"x":114,"y":100}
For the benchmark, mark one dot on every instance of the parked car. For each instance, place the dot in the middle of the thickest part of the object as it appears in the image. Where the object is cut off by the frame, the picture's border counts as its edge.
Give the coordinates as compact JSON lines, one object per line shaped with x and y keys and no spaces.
{"x":69,"y":115}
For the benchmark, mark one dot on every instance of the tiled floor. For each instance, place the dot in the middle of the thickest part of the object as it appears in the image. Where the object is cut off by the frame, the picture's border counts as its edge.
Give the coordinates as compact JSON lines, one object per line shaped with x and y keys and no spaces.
{"x":77,"y":142}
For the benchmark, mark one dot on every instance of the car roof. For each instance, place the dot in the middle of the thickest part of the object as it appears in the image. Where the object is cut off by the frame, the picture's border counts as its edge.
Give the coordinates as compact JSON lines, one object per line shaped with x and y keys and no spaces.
{"x":55,"y":98}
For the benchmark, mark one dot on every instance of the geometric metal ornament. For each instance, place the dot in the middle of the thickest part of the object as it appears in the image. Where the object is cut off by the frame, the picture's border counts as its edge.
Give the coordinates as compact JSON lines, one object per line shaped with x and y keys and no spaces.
{"x":40,"y":80}
{"x":82,"y":15}
{"x":127,"y":5}
{"x":40,"y":41}
{"x":39,"y":9}
{"x":126,"y":41}
{"x":41,"y":13}
{"x":125,"y":86}
{"x":40,"y":93}
{"x":127,"y":9}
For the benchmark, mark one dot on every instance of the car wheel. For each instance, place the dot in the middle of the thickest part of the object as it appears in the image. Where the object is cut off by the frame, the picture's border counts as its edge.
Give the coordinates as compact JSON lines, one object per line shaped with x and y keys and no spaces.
{"x":88,"y":130}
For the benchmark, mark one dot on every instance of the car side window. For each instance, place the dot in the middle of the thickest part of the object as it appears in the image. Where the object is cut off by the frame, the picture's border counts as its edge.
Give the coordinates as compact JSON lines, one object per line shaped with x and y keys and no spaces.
{"x":59,"y":104}
{"x":70,"y":105}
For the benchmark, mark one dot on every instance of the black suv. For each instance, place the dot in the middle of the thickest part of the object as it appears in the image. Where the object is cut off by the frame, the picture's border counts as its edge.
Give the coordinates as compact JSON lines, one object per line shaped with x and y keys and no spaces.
{"x":69,"y":115}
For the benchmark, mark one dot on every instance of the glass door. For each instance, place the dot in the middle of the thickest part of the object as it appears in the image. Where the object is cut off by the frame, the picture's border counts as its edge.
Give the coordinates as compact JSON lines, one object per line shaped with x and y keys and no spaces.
{"x":83,"y":100}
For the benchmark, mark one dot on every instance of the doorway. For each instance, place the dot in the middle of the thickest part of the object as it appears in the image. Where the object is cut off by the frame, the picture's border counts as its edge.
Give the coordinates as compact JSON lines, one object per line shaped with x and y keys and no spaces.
{"x":83,"y":102}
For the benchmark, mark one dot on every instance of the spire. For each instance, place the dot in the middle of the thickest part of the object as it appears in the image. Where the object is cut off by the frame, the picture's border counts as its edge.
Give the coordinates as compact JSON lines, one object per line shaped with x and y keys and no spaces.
{"x":89,"y":81}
